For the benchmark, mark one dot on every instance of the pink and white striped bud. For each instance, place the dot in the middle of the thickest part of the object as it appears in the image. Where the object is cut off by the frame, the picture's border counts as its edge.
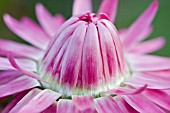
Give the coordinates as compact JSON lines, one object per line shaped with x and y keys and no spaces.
{"x":85,"y":57}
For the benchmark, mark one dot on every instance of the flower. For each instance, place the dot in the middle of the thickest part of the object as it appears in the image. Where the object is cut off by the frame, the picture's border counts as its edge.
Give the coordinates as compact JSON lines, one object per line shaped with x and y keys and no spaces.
{"x":88,"y":66}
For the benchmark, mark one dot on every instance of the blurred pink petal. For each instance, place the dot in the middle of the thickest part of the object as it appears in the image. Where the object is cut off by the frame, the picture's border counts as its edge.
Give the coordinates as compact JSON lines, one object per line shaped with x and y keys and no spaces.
{"x":142,"y":23}
{"x":84,"y":104}
{"x":28,"y":30}
{"x":109,"y":7}
{"x":35,"y":101}
{"x":107,"y":105}
{"x":21,"y":50}
{"x":142,"y":104}
{"x":81,"y":7}
{"x":151,"y":45}
{"x":50,"y":23}
{"x":17,"y":84}
{"x":152,"y":80}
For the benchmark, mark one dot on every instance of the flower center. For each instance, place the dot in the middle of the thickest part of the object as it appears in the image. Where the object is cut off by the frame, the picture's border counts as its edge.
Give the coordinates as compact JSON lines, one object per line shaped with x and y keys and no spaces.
{"x":85,"y":58}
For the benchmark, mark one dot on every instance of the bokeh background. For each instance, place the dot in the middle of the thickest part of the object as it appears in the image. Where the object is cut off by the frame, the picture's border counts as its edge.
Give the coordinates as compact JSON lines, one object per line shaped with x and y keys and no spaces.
{"x":128,"y":11}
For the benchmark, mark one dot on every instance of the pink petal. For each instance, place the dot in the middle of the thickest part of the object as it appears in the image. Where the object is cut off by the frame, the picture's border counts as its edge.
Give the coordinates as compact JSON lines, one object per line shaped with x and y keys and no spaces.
{"x":36,"y":101}
{"x":18,"y":84}
{"x":141,"y":24}
{"x":51,"y":109}
{"x":91,"y":58}
{"x":27,"y":64}
{"x":127,"y":91}
{"x":72,"y":58}
{"x":151,"y":45}
{"x":142,"y":104}
{"x":50,"y":23}
{"x":20,"y":49}
{"x":16,"y":99}
{"x":82,"y":6}
{"x":107,"y":105}
{"x":23,"y":70}
{"x":84,"y":104}
{"x":124,"y":106}
{"x":159,"y":97}
{"x":148,"y":62}
{"x":109,"y":7}
{"x":108,"y":53}
{"x":153,"y":81}
{"x":66,"y":106}
{"x":28,"y":30}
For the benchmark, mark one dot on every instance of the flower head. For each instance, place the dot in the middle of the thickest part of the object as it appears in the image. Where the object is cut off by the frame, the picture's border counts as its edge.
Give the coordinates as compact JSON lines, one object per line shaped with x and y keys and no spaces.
{"x":89,"y":66}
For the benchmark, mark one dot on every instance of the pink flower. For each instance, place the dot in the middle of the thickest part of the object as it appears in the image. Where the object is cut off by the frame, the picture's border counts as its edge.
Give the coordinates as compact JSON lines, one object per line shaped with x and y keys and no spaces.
{"x":88,"y":66}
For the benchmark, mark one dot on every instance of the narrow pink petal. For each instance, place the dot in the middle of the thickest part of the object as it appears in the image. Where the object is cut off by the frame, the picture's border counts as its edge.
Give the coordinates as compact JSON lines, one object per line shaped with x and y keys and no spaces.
{"x":84,"y":104}
{"x":117,"y":42}
{"x":82,"y":6}
{"x":72,"y":58}
{"x":27,"y":64}
{"x":127,"y":91}
{"x":141,"y":36}
{"x":152,"y":80}
{"x":148,"y":63}
{"x":151,"y":45}
{"x":141,"y":24}
{"x":159,"y":97}
{"x":109,"y":7}
{"x":28,"y":30}
{"x":20,"y":49}
{"x":17,"y":85}
{"x":36,"y":103}
{"x":9,"y":75}
{"x":107,"y":105}
{"x":23,"y":70}
{"x":142,"y":104}
{"x":51,"y":109}
{"x":50,"y":23}
{"x":109,"y":53}
{"x":66,"y":106}
{"x":14,"y":101}
{"x":124,"y":106}
{"x":91,"y":59}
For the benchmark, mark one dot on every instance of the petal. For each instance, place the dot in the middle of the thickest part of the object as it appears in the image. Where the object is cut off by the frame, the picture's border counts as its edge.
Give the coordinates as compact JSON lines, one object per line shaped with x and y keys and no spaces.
{"x":142,"y":104}
{"x":142,"y":23}
{"x":109,"y":7}
{"x":51,"y":109}
{"x":16,"y":99}
{"x":153,"y":81}
{"x":148,"y":62}
{"x":124,"y":106}
{"x":27,"y":64}
{"x":17,"y":85}
{"x":159,"y":97}
{"x":23,"y":70}
{"x":84,"y":104}
{"x":50,"y":23}
{"x":72,"y":58}
{"x":107,"y":105}
{"x":36,"y":101}
{"x":66,"y":106}
{"x":151,"y":45}
{"x":28,"y":30}
{"x":127,"y":91}
{"x":81,"y":7}
{"x":91,"y":59}
{"x":19,"y":49}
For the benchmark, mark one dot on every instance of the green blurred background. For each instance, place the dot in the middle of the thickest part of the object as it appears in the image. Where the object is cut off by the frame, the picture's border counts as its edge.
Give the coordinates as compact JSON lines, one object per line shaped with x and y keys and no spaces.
{"x":128,"y":11}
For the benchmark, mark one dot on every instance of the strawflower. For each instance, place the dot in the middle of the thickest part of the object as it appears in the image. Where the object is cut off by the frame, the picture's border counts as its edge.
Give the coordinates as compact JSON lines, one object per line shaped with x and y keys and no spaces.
{"x":86,"y":65}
